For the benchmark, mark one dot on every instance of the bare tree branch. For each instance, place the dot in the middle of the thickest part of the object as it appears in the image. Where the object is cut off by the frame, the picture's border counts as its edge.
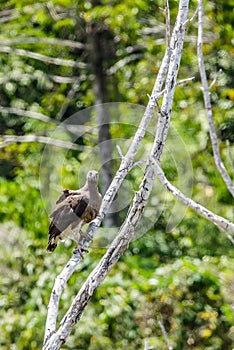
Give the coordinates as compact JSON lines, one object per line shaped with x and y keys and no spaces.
{"x":55,"y":78}
{"x":54,"y":340}
{"x":42,"y":40}
{"x":6,"y":12}
{"x":219,"y":221}
{"x":168,"y":24}
{"x":180,"y":82}
{"x":165,"y":62}
{"x":146,"y":347}
{"x":59,"y":79}
{"x":54,"y":14}
{"x":215,"y":78}
{"x":192,"y":18}
{"x":34,"y":138}
{"x":28,"y":114}
{"x":121,"y":63}
{"x":43,"y":58}
{"x":165,"y":336}
{"x":206,"y":94}
{"x":8,"y":15}
{"x":71,"y":93}
{"x":11,"y":139}
{"x":126,"y":164}
{"x":208,"y":37}
{"x":230,"y":154}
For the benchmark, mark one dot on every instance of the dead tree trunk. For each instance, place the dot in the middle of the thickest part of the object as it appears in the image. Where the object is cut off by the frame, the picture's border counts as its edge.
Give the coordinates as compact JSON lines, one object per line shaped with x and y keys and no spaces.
{"x":101,"y":47}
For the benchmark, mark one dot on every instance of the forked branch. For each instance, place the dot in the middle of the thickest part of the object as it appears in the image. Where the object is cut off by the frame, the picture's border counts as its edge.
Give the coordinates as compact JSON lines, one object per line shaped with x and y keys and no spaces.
{"x":53,"y":339}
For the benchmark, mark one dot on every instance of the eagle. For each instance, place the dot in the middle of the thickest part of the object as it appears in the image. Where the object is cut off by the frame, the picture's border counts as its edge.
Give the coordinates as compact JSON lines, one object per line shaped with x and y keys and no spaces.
{"x":74,"y":209}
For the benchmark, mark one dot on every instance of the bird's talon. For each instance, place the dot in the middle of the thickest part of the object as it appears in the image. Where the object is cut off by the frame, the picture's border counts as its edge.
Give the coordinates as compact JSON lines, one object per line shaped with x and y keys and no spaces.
{"x":85,"y":250}
{"x":78,"y":250}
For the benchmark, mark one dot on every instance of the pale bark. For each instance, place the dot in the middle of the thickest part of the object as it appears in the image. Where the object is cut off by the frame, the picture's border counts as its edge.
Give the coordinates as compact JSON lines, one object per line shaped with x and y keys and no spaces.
{"x":43,"y":58}
{"x":127,"y":163}
{"x":41,"y":40}
{"x":224,"y":224}
{"x":11,"y":139}
{"x":53,"y":339}
{"x":165,"y":335}
{"x":230,"y":154}
{"x":70,"y":95}
{"x":207,"y":101}
{"x":28,"y":114}
{"x":55,"y":78}
{"x":121,"y":63}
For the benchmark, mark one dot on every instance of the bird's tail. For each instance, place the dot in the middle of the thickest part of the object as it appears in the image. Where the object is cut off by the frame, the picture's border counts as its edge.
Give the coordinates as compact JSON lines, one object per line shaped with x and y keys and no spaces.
{"x":51,"y":245}
{"x":54,"y":233}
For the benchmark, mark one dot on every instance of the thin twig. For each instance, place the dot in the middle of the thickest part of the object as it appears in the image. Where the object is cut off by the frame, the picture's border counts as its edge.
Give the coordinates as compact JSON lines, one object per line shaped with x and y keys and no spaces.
{"x":180,"y":82}
{"x":189,"y":20}
{"x":147,"y":346}
{"x":43,"y":118}
{"x":8,"y":15}
{"x":55,"y":78}
{"x":59,"y":79}
{"x":53,"y":12}
{"x":168,"y":23}
{"x":120,"y":151}
{"x":139,"y":162}
{"x":43,"y":58}
{"x":215,"y":79}
{"x":230,"y":154}
{"x":11,"y":139}
{"x":231,"y":239}
{"x":222,"y":223}
{"x":185,"y":81}
{"x":71,"y":93}
{"x":6,"y":12}
{"x":42,"y":40}
{"x":28,"y":114}
{"x":206,"y":95}
{"x":165,"y":335}
{"x":121,"y":63}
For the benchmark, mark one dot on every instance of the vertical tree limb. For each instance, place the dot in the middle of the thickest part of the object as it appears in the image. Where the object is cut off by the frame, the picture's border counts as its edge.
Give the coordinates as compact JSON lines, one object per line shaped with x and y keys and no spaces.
{"x":206,"y":95}
{"x":230,"y":154}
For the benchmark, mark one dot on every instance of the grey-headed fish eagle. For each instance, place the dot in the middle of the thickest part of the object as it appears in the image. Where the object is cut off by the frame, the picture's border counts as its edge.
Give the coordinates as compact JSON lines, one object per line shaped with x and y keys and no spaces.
{"x":74,"y":209}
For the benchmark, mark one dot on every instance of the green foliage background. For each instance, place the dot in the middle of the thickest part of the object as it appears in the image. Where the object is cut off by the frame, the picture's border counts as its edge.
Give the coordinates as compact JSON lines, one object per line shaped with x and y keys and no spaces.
{"x":183,"y":278}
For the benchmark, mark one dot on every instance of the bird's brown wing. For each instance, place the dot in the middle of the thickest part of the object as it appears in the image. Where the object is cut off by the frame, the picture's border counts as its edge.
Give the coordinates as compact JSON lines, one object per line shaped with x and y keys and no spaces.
{"x":66,"y":193}
{"x":68,"y":211}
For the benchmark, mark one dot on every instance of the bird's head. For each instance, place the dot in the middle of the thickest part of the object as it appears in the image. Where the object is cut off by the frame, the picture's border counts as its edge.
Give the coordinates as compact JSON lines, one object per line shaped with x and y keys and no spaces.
{"x":92,"y":176}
